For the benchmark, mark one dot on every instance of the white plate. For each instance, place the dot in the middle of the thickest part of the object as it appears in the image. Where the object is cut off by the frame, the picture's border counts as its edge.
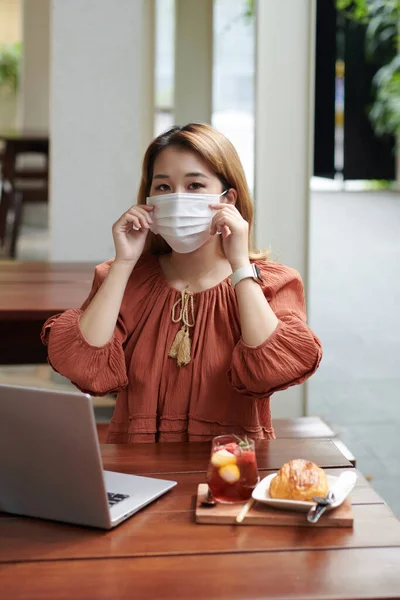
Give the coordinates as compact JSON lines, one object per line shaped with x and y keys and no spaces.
{"x":261,"y":494}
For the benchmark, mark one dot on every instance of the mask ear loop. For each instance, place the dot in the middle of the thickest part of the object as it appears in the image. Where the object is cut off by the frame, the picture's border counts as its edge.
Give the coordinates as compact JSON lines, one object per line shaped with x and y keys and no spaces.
{"x":223,"y":194}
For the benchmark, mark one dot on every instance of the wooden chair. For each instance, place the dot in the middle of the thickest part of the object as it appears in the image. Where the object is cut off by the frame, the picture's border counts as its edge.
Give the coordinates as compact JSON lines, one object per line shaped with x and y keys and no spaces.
{"x":21,"y":184}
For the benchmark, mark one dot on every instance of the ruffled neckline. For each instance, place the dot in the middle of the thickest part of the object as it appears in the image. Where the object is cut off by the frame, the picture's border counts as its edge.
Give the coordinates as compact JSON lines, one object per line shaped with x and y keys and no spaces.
{"x":225,"y":283}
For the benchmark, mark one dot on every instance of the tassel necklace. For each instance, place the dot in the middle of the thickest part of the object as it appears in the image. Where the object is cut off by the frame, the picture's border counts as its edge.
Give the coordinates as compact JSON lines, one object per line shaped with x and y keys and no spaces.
{"x":182,"y":345}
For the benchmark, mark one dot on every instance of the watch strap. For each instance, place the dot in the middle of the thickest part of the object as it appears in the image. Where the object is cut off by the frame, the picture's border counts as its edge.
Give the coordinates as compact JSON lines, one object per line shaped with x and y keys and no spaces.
{"x":248,"y":272}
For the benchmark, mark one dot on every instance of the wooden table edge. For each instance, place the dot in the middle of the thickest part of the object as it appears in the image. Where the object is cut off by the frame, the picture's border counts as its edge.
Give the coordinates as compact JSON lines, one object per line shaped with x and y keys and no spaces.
{"x":192,"y":553}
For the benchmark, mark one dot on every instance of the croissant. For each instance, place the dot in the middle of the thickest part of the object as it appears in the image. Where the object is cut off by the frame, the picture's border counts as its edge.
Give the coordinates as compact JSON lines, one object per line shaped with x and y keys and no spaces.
{"x":299,"y":479}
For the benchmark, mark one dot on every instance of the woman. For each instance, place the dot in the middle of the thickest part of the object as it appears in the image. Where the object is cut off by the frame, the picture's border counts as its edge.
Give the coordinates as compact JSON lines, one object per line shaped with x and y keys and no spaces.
{"x":194,"y":331}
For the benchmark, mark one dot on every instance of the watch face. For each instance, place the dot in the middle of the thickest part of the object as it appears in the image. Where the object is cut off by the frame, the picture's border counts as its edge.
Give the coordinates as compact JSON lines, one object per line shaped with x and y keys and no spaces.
{"x":258,"y":273}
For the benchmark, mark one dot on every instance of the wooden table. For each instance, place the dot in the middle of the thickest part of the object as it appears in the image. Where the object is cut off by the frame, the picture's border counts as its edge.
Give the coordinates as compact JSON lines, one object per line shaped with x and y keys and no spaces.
{"x":24,"y":134}
{"x":162,"y":553}
{"x":12,"y":271}
{"x":30,"y":293}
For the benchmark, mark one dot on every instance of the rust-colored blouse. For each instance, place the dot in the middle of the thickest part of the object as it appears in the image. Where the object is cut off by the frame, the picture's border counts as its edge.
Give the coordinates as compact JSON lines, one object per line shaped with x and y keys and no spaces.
{"x":227,"y":384}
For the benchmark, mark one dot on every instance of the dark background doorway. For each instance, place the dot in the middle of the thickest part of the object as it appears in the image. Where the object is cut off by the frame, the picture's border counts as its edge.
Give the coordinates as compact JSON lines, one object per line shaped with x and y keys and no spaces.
{"x":365,"y":156}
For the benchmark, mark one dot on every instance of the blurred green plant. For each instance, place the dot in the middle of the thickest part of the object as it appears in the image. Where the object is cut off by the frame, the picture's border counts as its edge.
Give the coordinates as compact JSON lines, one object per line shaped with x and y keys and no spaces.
{"x":246,"y":15}
{"x":356,"y":10}
{"x":250,"y":9}
{"x":10,"y":60}
{"x":379,"y":184}
{"x":381,"y":18}
{"x":382,"y":21}
{"x":385,"y":111}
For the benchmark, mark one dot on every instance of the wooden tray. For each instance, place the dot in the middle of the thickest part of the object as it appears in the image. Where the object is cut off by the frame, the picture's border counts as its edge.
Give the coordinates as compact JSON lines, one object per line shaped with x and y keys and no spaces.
{"x":261,"y":514}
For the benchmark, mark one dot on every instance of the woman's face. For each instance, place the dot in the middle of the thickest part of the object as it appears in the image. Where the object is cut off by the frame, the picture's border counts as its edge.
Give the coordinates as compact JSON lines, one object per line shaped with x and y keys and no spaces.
{"x":180,"y":171}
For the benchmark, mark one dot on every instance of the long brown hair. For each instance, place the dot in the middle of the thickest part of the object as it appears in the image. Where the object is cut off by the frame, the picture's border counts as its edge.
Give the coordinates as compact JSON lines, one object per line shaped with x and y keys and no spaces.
{"x":219,"y":153}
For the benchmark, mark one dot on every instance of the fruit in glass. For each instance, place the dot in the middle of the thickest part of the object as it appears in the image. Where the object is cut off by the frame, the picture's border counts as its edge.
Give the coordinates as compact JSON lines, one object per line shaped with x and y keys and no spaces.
{"x":232,"y":471}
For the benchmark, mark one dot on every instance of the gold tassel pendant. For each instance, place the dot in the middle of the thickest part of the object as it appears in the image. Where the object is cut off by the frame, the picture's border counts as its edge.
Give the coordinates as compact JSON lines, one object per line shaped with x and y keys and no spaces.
{"x":181,"y":347}
{"x":173,"y":353}
{"x":183,"y":357}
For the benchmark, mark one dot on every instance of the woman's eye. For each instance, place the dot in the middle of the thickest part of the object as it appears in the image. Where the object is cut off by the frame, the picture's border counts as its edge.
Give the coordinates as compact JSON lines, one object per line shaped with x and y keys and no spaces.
{"x":196,"y":185}
{"x":162,"y":188}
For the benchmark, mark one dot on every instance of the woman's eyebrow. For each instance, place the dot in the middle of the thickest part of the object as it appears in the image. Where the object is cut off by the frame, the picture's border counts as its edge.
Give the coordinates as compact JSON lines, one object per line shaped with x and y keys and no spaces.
{"x":160,"y":176}
{"x":193,"y":174}
{"x":196,"y":174}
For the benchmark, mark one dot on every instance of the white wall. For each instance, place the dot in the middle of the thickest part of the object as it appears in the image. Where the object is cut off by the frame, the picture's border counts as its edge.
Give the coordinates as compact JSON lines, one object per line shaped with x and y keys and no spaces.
{"x":35,"y":85}
{"x":95,"y":122}
{"x":284,"y":127}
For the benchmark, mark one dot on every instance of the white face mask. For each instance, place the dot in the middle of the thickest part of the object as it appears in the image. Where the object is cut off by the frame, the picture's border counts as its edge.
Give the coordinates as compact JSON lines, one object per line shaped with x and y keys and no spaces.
{"x":183,"y":220}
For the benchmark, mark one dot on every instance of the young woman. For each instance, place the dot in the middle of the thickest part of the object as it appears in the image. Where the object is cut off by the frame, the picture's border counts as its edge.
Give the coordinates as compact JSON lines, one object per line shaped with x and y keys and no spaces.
{"x":192,"y":328}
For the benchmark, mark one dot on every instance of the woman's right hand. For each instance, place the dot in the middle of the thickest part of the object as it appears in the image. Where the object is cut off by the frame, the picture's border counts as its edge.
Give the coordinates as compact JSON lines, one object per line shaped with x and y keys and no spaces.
{"x":130,"y":233}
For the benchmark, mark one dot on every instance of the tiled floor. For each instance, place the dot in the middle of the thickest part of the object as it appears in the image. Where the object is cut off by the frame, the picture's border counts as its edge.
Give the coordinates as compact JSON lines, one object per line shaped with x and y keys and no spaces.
{"x":354,"y":304}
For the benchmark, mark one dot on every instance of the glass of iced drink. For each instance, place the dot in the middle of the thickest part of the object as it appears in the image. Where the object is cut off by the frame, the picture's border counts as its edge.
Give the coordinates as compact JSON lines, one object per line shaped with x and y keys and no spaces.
{"x":232,"y":471}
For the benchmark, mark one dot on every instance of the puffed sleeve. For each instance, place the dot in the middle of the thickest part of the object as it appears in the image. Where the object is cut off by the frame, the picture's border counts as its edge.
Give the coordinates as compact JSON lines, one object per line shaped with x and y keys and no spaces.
{"x":94,"y":370}
{"x":291,"y":354}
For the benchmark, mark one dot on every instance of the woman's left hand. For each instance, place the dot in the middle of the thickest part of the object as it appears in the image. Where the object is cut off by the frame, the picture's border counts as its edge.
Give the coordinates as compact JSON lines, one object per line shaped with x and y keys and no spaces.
{"x":235,"y":234}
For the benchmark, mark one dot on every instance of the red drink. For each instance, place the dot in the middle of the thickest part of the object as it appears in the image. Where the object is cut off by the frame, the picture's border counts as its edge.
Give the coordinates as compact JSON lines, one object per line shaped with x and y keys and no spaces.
{"x":232,"y":472}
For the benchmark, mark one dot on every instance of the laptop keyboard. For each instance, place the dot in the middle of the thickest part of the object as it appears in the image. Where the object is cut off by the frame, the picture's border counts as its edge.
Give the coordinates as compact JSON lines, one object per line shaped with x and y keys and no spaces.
{"x":113,"y":499}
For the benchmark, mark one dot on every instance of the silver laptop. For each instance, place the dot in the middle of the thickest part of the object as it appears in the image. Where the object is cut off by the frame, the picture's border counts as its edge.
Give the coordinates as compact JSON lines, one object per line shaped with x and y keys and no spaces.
{"x":50,"y":462}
